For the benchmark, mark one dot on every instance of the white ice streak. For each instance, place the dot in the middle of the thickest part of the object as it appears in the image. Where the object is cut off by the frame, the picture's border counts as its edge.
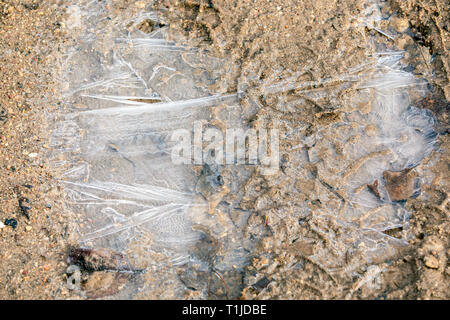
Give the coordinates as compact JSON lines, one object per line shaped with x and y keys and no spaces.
{"x":143,"y":107}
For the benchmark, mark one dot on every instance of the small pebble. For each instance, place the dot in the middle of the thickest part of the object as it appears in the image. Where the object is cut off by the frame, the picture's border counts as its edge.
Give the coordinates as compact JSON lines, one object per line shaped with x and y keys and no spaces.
{"x":11,"y":222}
{"x":371,"y":130}
{"x":140,"y":4}
{"x":28,"y":228}
{"x":431,"y":262}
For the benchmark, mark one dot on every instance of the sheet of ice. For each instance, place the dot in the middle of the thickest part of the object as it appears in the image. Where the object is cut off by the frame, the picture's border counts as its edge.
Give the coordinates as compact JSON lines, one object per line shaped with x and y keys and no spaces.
{"x":125,"y":93}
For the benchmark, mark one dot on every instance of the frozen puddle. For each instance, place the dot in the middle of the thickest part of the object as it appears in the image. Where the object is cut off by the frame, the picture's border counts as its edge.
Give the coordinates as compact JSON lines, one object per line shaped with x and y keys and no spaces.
{"x":126,"y":91}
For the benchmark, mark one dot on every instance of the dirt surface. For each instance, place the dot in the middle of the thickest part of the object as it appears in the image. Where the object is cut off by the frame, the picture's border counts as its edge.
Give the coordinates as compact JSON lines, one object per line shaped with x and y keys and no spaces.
{"x":333,"y":40}
{"x":33,"y":243}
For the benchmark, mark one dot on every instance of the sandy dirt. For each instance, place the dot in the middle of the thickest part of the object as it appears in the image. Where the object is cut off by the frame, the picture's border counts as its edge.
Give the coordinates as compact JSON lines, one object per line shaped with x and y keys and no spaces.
{"x":34,"y":246}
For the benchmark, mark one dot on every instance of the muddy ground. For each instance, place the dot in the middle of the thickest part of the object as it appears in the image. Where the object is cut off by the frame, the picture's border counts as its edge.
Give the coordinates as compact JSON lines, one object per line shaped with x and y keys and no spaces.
{"x":36,"y":233}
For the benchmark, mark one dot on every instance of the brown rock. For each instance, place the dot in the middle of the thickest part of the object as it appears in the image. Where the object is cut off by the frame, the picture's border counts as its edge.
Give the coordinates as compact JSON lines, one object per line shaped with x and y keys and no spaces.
{"x":98,"y":259}
{"x":400,"y":184}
